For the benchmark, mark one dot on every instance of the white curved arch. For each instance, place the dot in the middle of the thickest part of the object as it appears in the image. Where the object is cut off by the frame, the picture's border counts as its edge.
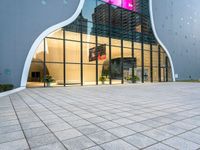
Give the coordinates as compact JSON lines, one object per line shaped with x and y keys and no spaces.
{"x":41,"y":37}
{"x":158,"y":39}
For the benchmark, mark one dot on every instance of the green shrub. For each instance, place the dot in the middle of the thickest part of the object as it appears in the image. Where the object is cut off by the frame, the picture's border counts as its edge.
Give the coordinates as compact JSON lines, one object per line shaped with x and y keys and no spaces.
{"x":102,"y":79}
{"x":136,"y":78}
{"x":6,"y":87}
{"x":48,"y":79}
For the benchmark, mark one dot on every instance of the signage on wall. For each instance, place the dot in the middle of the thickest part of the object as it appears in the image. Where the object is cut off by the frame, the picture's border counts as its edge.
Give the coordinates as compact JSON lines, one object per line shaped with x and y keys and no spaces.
{"x":126,"y":4}
{"x":101,"y":53}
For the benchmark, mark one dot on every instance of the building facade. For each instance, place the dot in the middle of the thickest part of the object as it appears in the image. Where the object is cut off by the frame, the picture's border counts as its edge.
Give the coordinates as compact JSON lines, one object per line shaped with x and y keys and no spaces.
{"x":107,"y":40}
{"x":87,"y":41}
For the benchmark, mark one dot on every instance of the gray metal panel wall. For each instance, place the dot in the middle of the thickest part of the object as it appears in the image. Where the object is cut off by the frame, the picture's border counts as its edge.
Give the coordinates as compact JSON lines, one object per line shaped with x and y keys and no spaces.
{"x":21,"y":22}
{"x":177,"y":24}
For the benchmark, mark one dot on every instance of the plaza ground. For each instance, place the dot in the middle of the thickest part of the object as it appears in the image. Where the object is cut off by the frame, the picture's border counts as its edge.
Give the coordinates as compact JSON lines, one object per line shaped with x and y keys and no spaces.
{"x":120,"y":117}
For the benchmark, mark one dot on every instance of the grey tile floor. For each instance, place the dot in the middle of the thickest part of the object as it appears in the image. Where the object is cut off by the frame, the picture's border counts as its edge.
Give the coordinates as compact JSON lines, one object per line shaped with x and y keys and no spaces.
{"x":163,"y":116}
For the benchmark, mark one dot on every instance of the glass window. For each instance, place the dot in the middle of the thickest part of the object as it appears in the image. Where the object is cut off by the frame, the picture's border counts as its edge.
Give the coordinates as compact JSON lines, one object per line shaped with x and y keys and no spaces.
{"x":39,"y":54}
{"x":57,"y":34}
{"x":116,"y":64}
{"x":89,"y":9}
{"x":89,"y":53}
{"x":54,"y":50}
{"x":73,"y":74}
{"x":55,"y":71}
{"x":89,"y":74}
{"x":137,"y":54}
{"x":155,"y":74}
{"x":72,"y":52}
{"x":146,"y":58}
{"x":89,"y":33}
{"x":69,"y":35}
{"x":155,"y":59}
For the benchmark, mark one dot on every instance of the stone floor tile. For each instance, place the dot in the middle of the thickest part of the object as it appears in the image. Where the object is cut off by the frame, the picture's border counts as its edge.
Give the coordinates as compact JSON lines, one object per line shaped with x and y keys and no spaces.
{"x":139,"y":140}
{"x":79,"y":123}
{"x":78,"y":143}
{"x":36,"y":131}
{"x":41,"y":140}
{"x":102,"y":137}
{"x":183,"y":125}
{"x":138,"y":127}
{"x":118,"y":145}
{"x":159,"y":146}
{"x":171,"y":129}
{"x":152,"y":123}
{"x":67,"y":134}
{"x":95,"y":148}
{"x":31,"y":125}
{"x":163,"y":120}
{"x":51,"y":146}
{"x":191,"y":136}
{"x":107,"y":125}
{"x":96,"y":119}
{"x":15,"y":145}
{"x":12,"y":136}
{"x":121,"y":131}
{"x":8,"y":129}
{"x":197,"y":130}
{"x":181,"y":144}
{"x":111,"y":116}
{"x":59,"y":127}
{"x":123,"y":121}
{"x":158,"y":135}
{"x":9,"y":123}
{"x":89,"y":129}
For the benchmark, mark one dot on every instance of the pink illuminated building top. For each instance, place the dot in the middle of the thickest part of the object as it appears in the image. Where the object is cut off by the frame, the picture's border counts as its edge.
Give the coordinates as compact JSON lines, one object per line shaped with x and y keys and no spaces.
{"x":126,"y":4}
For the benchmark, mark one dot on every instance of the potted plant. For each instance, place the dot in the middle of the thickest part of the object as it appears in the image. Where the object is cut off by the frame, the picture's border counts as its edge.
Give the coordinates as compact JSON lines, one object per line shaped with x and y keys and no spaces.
{"x":136,"y":79}
{"x":48,"y":79}
{"x":102,"y":79}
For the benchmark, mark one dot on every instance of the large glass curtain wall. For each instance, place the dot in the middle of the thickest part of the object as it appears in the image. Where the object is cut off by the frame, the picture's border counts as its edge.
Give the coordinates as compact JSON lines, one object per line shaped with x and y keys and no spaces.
{"x":106,"y":44}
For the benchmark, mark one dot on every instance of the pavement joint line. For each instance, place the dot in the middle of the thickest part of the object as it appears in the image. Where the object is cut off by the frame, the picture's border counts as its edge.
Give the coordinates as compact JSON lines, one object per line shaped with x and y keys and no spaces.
{"x":42,"y":122}
{"x":19,"y":122}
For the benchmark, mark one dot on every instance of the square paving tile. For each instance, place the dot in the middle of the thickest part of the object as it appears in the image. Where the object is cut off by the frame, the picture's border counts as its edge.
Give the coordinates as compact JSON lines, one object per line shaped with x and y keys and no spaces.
{"x":197,"y":130}
{"x":12,"y":136}
{"x":41,"y":140}
{"x":8,"y":129}
{"x":159,"y":146}
{"x":139,"y":140}
{"x":78,"y":123}
{"x":118,"y":145}
{"x":121,"y":131}
{"x":123,"y":121}
{"x":102,"y":137}
{"x":171,"y":129}
{"x":52,"y":146}
{"x":59,"y":127}
{"x":36,"y":131}
{"x":78,"y":143}
{"x":184,"y":125}
{"x":138,"y":127}
{"x":18,"y":145}
{"x":158,"y":135}
{"x":67,"y":134}
{"x":191,"y":136}
{"x":95,"y":148}
{"x":89,"y":129}
{"x":107,"y":125}
{"x":181,"y":144}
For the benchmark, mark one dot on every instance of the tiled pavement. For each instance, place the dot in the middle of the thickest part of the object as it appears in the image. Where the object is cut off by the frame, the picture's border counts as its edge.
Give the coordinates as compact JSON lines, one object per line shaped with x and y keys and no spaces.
{"x":121,"y":117}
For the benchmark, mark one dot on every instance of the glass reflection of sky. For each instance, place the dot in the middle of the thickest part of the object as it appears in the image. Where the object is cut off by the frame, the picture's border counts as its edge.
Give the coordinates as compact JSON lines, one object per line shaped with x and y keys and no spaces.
{"x":126,"y":4}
